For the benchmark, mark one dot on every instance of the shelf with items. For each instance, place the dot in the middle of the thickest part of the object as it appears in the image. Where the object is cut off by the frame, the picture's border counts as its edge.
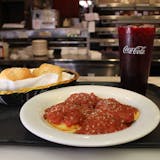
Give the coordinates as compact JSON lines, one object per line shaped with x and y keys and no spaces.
{"x":115,"y":20}
{"x":114,"y":42}
{"x":58,"y":38}
{"x":59,"y":35}
{"x":125,"y":3}
{"x":118,"y":12}
{"x":127,"y":7}
{"x":111,"y":32}
{"x":109,"y":47}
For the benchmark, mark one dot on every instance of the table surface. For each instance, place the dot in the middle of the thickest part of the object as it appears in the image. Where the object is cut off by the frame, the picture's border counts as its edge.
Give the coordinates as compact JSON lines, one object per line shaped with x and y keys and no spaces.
{"x":152,"y":80}
{"x":8,"y":152}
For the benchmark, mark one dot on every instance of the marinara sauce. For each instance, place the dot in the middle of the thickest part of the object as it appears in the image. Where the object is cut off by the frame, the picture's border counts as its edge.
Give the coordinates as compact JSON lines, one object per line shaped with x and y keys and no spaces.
{"x":93,"y":115}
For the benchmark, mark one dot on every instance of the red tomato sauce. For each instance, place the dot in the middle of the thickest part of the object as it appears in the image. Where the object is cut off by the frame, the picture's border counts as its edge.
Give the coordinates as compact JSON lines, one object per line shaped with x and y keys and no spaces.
{"x":93,"y":114}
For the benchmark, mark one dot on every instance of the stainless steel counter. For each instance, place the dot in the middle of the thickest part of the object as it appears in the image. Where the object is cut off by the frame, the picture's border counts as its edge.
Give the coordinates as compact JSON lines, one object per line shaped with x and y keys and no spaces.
{"x":85,"y":67}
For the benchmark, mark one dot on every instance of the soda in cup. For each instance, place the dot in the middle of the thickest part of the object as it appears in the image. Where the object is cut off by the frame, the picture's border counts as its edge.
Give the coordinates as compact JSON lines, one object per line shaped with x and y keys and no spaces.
{"x":135,"y":46}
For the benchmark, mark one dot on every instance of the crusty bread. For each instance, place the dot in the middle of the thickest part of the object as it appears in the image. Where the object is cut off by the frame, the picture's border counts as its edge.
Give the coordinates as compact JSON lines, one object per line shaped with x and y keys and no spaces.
{"x":47,"y":68}
{"x":16,"y":73}
{"x":19,"y":73}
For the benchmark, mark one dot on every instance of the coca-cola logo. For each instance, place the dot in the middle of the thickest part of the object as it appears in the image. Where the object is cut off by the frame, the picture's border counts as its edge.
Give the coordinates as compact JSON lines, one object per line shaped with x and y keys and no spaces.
{"x":134,"y":50}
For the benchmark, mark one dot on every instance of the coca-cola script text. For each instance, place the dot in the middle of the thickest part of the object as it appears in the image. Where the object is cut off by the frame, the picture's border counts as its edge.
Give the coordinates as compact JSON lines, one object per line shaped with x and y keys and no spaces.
{"x":134,"y":50}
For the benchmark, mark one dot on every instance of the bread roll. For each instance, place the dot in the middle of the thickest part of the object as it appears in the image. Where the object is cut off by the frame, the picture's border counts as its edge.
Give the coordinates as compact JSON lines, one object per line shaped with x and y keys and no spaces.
{"x":47,"y":68}
{"x":16,"y":73}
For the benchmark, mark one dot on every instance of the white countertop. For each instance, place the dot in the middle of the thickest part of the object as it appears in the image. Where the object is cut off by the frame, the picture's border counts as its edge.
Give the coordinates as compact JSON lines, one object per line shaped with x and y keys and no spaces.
{"x":153,"y":80}
{"x":9,"y":152}
{"x":46,"y":153}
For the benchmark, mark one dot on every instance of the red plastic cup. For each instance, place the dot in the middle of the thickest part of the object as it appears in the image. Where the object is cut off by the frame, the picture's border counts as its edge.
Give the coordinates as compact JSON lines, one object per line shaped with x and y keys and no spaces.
{"x":135,"y":46}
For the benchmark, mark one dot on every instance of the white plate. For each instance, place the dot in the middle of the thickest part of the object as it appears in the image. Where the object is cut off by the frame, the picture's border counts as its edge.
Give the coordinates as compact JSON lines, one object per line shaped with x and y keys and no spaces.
{"x":31,"y":115}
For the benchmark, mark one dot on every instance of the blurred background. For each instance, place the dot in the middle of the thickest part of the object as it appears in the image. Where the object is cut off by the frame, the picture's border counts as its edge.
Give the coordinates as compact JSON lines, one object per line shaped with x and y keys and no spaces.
{"x":80,"y":34}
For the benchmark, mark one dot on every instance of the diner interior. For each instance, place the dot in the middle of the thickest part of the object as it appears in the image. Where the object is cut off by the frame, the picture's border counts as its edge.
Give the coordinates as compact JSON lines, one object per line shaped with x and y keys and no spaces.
{"x":80,"y":41}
